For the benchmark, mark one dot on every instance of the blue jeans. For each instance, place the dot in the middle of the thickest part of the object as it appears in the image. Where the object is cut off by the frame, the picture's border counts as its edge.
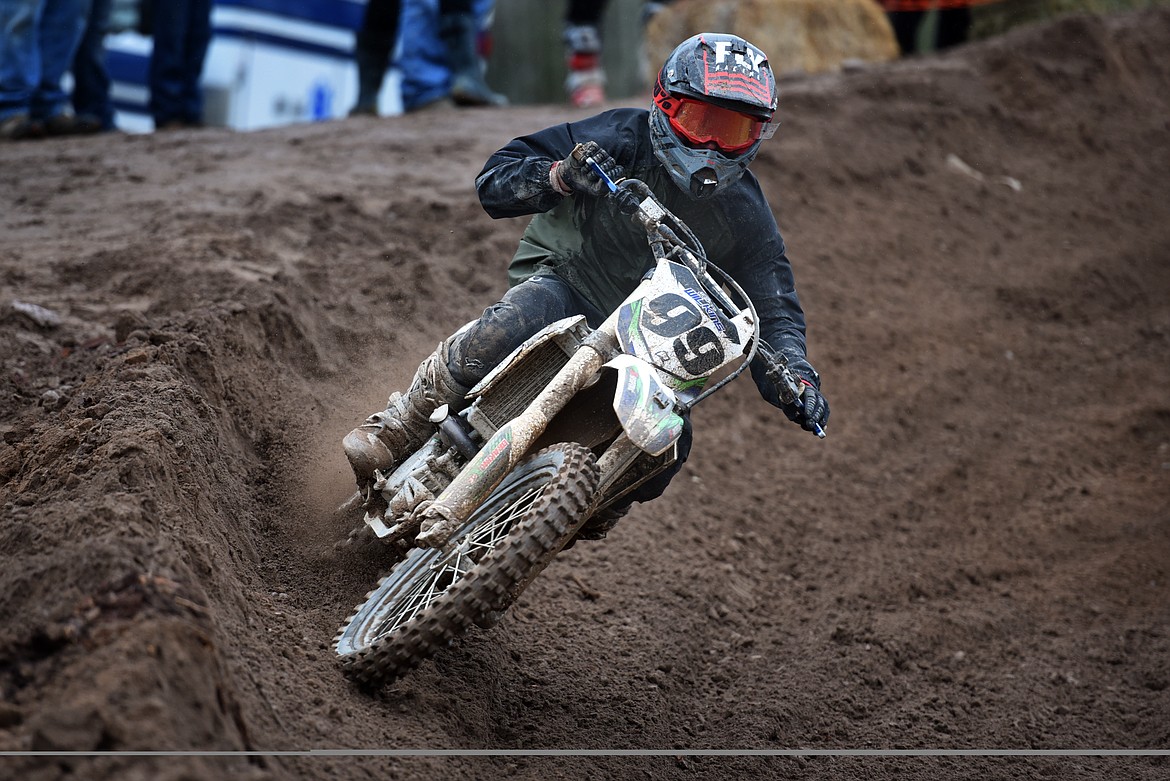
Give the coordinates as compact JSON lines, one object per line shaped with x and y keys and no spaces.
{"x":182,"y":33}
{"x":91,"y":80}
{"x":37,"y":41}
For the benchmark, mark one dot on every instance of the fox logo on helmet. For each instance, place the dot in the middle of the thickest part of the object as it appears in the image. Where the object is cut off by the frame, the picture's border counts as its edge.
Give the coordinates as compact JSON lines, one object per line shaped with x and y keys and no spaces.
{"x":748,"y":58}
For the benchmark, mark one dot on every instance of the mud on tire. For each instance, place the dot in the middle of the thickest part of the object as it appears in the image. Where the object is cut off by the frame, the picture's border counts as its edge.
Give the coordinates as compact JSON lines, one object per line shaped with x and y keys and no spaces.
{"x":432,"y":597}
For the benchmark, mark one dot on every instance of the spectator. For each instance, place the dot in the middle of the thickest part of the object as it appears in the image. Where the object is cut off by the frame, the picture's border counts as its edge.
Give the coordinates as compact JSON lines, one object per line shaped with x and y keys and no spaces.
{"x":182,"y":33}
{"x":585,"y":83}
{"x":908,"y":16}
{"x":91,"y":80}
{"x":37,"y":41}
{"x":455,"y":25}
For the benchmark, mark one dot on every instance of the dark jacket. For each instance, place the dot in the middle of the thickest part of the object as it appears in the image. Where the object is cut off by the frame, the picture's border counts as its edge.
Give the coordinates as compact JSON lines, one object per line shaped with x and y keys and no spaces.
{"x":588,"y":243}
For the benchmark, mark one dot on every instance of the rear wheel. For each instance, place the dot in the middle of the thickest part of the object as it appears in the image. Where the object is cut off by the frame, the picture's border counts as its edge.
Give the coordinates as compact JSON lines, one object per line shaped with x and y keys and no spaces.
{"x":433,"y":595}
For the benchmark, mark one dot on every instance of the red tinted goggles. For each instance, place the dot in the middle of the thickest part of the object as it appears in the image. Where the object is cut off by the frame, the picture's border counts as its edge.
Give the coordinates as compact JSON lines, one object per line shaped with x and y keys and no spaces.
{"x":703,"y":124}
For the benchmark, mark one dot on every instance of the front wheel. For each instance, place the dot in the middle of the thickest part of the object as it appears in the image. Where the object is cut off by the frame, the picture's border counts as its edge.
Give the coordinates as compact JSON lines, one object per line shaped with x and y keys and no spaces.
{"x":434,"y":595}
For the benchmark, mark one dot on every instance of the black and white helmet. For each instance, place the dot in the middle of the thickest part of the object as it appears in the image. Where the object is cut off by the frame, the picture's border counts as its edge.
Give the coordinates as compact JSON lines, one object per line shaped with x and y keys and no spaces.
{"x":713,"y":106}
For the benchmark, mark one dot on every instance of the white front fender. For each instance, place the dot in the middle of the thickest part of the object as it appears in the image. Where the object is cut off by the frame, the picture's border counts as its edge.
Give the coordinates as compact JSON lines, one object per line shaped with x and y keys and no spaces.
{"x":645,"y":405}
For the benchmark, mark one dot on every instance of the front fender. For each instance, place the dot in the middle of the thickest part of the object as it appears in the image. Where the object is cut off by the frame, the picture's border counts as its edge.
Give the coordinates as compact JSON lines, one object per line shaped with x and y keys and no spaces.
{"x":645,"y":406}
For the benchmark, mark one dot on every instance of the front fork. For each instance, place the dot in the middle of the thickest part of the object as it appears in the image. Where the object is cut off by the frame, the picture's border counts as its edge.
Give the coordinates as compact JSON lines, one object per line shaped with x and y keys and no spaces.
{"x":509,"y":445}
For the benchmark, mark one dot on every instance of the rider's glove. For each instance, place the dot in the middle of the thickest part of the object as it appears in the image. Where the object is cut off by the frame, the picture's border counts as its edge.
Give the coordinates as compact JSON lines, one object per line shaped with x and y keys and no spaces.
{"x":811,"y":409}
{"x":575,"y":175}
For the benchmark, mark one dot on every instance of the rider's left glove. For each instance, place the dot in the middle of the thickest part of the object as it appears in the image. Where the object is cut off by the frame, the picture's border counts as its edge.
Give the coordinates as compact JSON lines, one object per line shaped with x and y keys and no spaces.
{"x":811,"y":410}
{"x":575,"y":175}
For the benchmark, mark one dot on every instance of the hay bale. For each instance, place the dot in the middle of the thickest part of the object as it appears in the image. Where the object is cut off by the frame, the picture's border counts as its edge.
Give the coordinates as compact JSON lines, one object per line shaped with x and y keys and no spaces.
{"x":809,"y":36}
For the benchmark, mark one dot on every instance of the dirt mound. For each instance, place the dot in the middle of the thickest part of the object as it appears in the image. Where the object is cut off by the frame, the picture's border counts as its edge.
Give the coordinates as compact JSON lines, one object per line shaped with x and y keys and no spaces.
{"x":799,"y":36}
{"x":976,"y":557}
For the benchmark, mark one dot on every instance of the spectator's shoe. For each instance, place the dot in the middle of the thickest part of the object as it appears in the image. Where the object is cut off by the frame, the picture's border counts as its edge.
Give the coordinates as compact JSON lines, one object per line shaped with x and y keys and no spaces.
{"x":19,"y":127}
{"x":472,"y":90}
{"x":586,"y":86}
{"x":61,"y":125}
{"x":364,"y":110}
{"x":87,"y":124}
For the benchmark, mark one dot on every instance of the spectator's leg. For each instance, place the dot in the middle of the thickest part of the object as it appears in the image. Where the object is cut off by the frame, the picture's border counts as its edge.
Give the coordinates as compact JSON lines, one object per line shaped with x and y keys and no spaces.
{"x":61,"y":26}
{"x":91,"y":80}
{"x":20,"y":67}
{"x":905,"y":24}
{"x":373,"y":47}
{"x":166,"y":76}
{"x":954,"y":25}
{"x":459,"y":31}
{"x":195,"y":43}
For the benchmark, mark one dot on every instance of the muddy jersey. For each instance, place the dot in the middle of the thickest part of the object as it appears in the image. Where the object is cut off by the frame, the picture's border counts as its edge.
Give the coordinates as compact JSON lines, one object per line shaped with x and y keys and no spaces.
{"x":588,"y":243}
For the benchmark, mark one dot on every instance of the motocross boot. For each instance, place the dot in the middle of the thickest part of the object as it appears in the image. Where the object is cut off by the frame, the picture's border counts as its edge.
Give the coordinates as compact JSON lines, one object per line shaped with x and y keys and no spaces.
{"x":459,"y":33}
{"x":585,"y":83}
{"x":390,"y":435}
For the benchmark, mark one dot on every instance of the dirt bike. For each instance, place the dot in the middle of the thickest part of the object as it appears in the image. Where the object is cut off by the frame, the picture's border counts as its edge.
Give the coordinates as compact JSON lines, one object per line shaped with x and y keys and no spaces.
{"x":568,"y":425}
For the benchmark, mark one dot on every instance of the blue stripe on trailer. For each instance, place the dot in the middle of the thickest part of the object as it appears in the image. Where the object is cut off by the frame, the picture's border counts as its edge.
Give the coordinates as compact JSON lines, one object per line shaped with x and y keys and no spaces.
{"x":334,"y":13}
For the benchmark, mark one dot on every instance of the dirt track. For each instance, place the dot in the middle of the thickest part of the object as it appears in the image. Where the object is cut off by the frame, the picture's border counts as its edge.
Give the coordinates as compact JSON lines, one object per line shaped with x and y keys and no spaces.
{"x":978,"y":557}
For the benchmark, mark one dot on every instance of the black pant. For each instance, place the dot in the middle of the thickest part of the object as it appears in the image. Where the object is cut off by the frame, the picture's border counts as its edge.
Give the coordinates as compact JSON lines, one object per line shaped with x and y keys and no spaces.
{"x":953,"y":26}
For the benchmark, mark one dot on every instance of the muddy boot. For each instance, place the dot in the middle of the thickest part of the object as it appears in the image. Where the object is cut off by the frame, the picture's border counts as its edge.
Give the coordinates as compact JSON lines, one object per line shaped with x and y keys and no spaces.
{"x":459,"y":33}
{"x":390,"y":435}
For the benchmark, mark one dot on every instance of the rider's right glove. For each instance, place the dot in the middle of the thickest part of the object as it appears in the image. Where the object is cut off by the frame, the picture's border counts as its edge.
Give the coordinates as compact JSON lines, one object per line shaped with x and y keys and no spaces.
{"x":573,"y":175}
{"x":809,"y":411}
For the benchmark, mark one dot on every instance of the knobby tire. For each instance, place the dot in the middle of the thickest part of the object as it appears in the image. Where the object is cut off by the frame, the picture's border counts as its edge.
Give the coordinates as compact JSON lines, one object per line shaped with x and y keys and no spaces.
{"x":521,"y":527}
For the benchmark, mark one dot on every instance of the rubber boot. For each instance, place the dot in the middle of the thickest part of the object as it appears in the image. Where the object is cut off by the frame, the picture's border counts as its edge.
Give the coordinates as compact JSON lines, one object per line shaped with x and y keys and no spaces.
{"x":459,"y":33}
{"x":387,"y":437}
{"x":585,"y":83}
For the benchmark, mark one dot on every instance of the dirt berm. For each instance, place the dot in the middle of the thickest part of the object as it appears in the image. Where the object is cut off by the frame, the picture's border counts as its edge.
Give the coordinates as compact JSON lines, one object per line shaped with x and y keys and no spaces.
{"x":977,"y":557}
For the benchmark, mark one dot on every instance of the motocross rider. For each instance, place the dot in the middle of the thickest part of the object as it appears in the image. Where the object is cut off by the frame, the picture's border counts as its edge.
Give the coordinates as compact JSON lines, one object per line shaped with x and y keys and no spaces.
{"x":713,"y":105}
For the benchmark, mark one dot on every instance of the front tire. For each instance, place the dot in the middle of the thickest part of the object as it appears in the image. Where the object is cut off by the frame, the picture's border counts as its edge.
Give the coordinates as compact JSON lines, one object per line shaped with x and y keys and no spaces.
{"x":435,"y":595}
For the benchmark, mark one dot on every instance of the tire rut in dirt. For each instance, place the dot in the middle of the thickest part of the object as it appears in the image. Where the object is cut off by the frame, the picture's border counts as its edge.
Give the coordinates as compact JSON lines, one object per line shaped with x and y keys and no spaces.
{"x":559,"y":483}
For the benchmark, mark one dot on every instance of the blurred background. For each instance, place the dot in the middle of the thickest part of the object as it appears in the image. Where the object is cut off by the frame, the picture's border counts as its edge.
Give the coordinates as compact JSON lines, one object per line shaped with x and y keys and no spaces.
{"x":277,"y":62}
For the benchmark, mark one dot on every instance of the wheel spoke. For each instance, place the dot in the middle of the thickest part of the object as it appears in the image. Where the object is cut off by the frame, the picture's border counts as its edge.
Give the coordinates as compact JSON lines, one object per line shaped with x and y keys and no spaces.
{"x":479,"y":541}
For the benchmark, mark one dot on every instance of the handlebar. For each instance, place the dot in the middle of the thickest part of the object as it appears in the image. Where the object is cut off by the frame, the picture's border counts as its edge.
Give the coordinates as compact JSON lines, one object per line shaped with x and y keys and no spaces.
{"x":636,"y":199}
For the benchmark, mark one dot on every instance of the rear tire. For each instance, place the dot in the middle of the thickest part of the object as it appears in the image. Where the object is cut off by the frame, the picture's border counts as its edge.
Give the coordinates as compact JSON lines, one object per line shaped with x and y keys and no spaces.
{"x":432,"y":597}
